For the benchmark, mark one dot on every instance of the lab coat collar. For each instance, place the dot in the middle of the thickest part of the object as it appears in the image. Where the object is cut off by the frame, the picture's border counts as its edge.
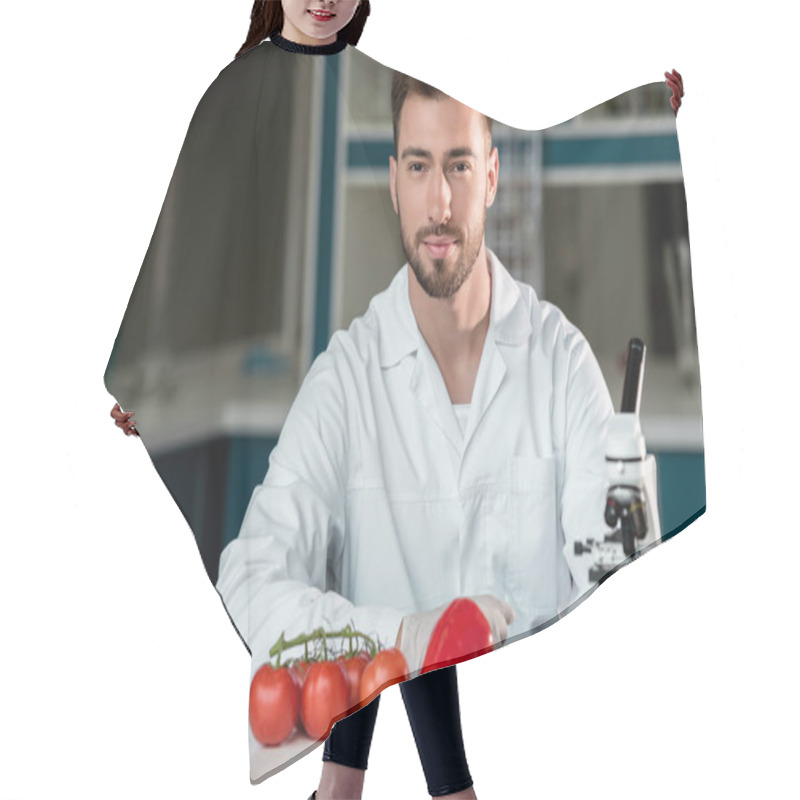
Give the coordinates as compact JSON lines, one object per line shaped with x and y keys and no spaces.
{"x":509,"y":324}
{"x":509,"y":317}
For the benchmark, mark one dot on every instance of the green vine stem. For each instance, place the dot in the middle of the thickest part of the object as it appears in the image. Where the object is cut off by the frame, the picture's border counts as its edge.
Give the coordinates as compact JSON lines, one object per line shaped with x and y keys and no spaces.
{"x":321,"y":636}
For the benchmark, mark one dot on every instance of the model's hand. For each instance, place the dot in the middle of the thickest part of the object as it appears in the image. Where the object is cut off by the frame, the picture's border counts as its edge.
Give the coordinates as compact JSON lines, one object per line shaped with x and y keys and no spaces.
{"x":675,"y":83}
{"x":415,"y":631}
{"x":124,"y":420}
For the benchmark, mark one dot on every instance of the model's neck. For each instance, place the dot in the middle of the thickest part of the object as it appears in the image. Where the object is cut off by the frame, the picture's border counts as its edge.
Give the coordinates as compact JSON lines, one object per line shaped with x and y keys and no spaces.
{"x":455,"y":328}
{"x":336,"y":46}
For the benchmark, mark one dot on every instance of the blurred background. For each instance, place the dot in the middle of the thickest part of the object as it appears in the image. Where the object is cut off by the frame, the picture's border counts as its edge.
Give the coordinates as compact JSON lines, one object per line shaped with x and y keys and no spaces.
{"x":591,"y":213}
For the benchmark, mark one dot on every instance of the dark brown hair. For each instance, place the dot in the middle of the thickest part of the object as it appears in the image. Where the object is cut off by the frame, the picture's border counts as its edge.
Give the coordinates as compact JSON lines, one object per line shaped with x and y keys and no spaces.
{"x":266,"y":19}
{"x":404,"y":85}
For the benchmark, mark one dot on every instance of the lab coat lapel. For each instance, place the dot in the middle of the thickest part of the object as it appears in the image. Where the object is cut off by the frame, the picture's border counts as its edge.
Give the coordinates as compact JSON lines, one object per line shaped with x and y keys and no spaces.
{"x":509,"y":325}
{"x":491,"y":370}
{"x":429,"y":388}
{"x":430,"y":391}
{"x":402,"y":337}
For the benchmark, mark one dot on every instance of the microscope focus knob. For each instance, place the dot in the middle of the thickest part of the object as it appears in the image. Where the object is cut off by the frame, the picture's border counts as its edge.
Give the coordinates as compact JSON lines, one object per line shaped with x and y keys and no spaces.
{"x":613,"y":512}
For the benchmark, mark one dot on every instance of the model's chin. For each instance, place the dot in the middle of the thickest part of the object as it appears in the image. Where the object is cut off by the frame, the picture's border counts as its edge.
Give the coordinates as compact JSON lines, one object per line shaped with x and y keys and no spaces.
{"x":318,"y":32}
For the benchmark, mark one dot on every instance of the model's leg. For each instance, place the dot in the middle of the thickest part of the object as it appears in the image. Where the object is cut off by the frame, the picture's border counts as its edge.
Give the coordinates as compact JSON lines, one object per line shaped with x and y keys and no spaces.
{"x":345,"y":755}
{"x":433,"y":711}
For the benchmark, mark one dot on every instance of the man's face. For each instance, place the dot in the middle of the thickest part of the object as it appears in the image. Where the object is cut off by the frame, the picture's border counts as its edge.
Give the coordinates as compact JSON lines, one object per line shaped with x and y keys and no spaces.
{"x":442,"y":181}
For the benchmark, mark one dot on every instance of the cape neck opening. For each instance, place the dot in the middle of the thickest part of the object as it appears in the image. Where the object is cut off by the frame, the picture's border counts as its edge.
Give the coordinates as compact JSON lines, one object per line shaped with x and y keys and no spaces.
{"x":317,"y":50}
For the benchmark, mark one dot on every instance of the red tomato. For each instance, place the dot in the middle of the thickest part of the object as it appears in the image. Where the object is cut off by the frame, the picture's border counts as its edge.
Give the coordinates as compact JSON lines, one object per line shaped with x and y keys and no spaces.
{"x":324,"y":698}
{"x":462,"y":632}
{"x":274,"y":704}
{"x":300,"y":669}
{"x":388,"y":667}
{"x":353,"y":669}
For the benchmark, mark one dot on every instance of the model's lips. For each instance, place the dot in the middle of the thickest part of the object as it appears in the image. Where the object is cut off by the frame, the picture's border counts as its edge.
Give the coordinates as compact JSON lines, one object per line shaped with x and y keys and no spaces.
{"x":439,"y":248}
{"x":322,"y":16}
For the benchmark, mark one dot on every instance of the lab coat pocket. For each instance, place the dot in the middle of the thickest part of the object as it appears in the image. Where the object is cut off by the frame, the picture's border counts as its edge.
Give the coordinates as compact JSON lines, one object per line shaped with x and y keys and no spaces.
{"x":536,"y":568}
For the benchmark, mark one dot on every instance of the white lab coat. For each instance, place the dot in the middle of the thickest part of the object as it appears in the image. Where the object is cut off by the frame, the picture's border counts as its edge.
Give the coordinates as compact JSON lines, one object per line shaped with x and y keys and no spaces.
{"x":374,"y":504}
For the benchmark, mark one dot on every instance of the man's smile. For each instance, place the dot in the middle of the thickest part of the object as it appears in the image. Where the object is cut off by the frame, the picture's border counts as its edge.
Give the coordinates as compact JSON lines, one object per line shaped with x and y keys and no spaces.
{"x":439,"y":247}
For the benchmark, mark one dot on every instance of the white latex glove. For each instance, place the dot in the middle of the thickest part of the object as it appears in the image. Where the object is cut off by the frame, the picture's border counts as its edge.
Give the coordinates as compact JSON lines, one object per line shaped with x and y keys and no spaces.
{"x":416,"y":629}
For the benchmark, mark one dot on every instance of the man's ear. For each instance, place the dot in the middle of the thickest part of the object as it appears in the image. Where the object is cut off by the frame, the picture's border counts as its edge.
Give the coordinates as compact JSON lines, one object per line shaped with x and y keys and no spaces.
{"x":393,"y":180}
{"x":492,"y":177}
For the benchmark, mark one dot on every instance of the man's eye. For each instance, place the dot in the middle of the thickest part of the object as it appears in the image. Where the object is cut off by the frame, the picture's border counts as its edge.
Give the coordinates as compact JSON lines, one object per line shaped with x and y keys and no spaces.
{"x":416,"y":167}
{"x":461,"y":166}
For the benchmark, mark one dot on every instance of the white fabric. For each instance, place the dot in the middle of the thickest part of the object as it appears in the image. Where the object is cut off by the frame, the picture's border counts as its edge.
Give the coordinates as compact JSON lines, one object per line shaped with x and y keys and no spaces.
{"x":375,"y":506}
{"x":462,"y":416}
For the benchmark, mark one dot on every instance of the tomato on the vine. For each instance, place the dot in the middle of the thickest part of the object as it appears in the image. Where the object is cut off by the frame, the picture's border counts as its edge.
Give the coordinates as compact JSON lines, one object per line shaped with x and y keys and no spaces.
{"x":353,"y":667}
{"x":462,"y":632}
{"x":300,"y":669}
{"x":388,"y":666}
{"x":274,"y":704}
{"x":324,"y":697}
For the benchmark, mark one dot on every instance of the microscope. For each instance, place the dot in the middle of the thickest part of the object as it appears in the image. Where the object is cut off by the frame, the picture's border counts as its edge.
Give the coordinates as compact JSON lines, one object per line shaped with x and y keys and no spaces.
{"x":631,"y":511}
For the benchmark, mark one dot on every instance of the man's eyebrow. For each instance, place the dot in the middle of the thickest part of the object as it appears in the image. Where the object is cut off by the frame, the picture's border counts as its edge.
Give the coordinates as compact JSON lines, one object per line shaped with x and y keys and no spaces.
{"x":416,"y":152}
{"x":456,"y":152}
{"x":461,"y":152}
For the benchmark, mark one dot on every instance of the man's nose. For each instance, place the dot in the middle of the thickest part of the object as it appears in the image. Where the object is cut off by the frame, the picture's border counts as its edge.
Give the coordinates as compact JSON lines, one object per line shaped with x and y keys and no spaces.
{"x":439,"y":197}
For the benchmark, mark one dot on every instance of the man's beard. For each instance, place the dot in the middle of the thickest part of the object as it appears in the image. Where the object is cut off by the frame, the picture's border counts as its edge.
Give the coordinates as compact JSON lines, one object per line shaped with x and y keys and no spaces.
{"x":441,"y":283}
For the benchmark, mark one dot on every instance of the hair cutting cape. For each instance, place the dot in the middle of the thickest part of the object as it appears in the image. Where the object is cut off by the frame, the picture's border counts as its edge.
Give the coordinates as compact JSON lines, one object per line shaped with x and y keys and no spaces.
{"x":330,"y":484}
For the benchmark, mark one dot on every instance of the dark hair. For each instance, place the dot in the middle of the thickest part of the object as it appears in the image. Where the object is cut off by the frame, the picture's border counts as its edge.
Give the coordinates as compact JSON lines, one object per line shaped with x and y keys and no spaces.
{"x":266,"y":19}
{"x":404,"y":85}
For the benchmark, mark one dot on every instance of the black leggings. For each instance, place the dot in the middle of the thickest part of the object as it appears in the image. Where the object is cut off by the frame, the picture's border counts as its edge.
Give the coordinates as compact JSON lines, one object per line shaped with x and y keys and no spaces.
{"x":433,"y":711}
